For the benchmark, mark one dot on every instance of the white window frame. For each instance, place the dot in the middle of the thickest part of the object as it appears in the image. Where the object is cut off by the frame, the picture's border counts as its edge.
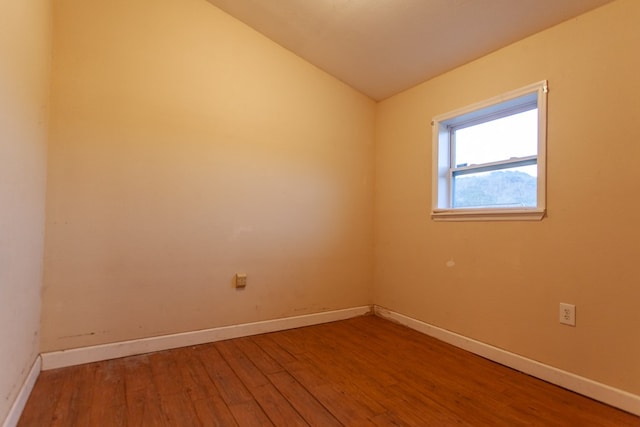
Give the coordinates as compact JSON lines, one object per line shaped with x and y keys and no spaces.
{"x":442,"y":155}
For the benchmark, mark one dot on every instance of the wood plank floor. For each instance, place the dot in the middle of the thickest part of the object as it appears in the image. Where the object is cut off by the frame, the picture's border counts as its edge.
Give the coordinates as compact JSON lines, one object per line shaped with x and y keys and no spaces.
{"x":360,"y":372}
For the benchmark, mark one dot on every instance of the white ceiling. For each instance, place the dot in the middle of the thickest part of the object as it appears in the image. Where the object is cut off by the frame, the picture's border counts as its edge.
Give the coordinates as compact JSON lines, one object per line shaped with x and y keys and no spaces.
{"x":381,"y":47}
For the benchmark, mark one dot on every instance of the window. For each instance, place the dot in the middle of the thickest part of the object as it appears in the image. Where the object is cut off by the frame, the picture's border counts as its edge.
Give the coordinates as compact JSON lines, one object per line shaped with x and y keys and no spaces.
{"x":489,"y":158}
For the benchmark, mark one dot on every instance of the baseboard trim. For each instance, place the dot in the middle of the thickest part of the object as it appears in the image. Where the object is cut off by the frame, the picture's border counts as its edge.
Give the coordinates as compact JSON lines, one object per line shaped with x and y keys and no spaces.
{"x":78,"y":356}
{"x":23,"y":395}
{"x":601,"y":392}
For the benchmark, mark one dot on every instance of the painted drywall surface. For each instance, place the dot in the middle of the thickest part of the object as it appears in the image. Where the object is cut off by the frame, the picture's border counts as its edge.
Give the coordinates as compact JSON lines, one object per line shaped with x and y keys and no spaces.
{"x":24,"y":72}
{"x":186,"y":147}
{"x":501,"y":283}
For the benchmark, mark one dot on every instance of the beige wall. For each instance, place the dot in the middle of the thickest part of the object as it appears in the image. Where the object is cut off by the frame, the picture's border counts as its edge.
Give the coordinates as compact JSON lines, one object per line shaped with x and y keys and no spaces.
{"x":509,"y":277}
{"x":24,"y":81}
{"x":186,"y":147}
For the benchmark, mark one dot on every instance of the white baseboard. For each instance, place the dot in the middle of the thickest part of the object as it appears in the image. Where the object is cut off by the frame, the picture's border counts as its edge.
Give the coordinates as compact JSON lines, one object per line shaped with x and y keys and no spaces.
{"x":78,"y":356}
{"x":595,"y":390}
{"x":21,"y":400}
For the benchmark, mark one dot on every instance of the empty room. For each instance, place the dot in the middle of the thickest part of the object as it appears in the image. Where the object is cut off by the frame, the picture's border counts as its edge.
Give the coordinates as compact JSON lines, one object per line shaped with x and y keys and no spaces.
{"x":327,"y":212}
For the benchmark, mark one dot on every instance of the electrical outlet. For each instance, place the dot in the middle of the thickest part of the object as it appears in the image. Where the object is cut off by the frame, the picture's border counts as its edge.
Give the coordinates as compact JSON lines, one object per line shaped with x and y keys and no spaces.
{"x":568,"y":314}
{"x":241,"y":280}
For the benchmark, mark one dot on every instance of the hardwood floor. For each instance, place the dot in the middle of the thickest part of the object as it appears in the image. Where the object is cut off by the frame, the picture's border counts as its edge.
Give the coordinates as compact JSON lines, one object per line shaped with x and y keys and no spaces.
{"x":360,"y":372}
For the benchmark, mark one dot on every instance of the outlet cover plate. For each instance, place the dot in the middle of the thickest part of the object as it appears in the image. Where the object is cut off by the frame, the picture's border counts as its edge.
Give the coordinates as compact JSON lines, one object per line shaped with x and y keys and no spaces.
{"x":241,"y":280}
{"x":567,"y":314}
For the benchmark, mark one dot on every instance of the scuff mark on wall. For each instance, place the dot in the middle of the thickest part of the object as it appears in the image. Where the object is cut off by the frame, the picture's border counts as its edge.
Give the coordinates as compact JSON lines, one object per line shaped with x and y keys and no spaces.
{"x":77,"y":335}
{"x":238,"y":231}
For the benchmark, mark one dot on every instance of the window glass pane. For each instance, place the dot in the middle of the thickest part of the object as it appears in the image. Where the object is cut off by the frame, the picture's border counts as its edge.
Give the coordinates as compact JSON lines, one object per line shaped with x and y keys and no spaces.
{"x":501,"y":139}
{"x":504,"y":188}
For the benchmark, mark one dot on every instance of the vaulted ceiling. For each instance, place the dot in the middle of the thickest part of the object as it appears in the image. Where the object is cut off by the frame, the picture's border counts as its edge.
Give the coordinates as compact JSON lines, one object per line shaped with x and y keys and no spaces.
{"x":381,"y":47}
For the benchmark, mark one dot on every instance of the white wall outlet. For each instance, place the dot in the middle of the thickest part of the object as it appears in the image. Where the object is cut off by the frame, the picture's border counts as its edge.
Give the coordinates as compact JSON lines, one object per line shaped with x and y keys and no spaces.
{"x":568,"y":314}
{"x":241,"y":280}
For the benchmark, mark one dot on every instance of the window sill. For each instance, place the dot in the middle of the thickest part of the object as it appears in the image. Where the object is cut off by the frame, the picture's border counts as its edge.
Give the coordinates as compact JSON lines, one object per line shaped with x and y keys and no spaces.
{"x":487,"y":214}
